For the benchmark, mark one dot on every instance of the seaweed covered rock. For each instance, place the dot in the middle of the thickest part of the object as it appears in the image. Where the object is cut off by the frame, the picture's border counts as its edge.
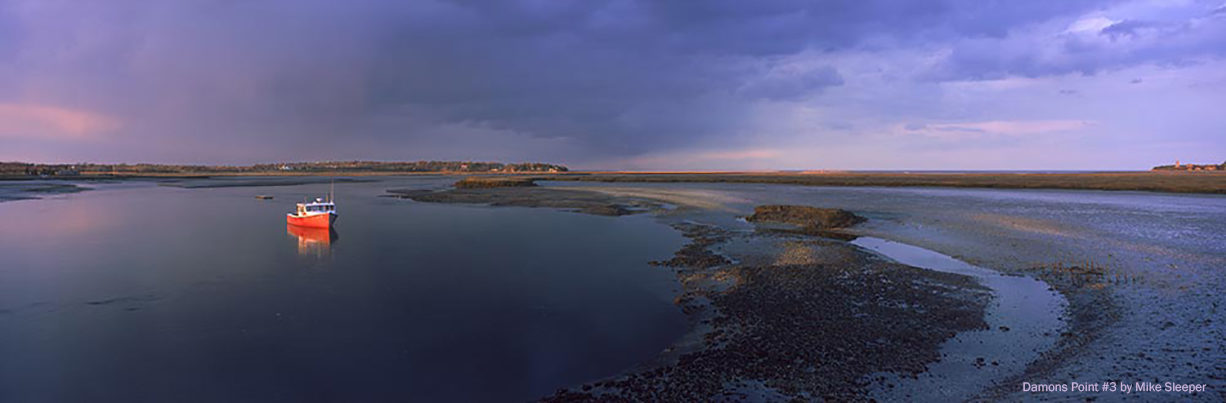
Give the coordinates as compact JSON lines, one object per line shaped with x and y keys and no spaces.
{"x":807,"y":218}
{"x":479,"y":182}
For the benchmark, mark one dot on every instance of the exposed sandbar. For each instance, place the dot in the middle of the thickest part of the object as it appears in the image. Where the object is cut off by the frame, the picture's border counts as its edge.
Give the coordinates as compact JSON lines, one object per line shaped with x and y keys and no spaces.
{"x":531,"y":196}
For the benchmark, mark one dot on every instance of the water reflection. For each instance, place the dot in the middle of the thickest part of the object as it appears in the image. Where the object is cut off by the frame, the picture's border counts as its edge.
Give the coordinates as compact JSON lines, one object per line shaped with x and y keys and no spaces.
{"x":313,"y":241}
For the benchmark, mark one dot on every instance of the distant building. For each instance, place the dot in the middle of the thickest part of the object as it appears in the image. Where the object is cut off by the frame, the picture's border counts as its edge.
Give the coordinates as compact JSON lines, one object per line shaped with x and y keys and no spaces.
{"x":1179,"y":166}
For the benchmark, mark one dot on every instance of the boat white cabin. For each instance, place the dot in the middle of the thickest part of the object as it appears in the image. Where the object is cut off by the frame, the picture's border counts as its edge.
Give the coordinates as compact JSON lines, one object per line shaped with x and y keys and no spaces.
{"x":317,"y":206}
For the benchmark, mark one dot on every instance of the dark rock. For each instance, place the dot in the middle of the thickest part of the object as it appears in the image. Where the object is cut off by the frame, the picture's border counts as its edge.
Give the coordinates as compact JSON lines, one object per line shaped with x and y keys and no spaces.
{"x":806,"y":217}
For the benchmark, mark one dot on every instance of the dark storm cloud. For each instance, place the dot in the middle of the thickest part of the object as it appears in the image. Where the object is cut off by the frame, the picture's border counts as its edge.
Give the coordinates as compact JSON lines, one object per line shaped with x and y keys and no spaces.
{"x":609,"y":78}
{"x":790,"y":84}
{"x":580,"y":70}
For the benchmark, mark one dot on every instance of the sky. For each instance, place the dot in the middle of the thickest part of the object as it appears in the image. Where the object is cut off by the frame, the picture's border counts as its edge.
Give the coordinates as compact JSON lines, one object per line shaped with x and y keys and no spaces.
{"x":618,"y":84}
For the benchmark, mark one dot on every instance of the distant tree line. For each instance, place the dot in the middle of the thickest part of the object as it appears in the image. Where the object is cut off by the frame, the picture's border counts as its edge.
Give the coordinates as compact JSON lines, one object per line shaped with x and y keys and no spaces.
{"x":29,"y":169}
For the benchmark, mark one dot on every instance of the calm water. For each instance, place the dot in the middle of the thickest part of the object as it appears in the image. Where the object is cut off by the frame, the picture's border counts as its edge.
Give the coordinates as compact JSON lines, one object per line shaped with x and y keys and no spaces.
{"x":139,"y":292}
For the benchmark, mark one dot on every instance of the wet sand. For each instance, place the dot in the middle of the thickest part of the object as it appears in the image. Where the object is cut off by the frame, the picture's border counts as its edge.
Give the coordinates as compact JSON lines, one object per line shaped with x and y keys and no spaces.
{"x":1137,"y":312}
{"x":1025,"y":319}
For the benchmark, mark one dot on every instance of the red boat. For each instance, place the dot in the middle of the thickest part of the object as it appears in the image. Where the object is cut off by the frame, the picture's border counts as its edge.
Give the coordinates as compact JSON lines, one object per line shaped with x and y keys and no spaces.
{"x":317,"y":214}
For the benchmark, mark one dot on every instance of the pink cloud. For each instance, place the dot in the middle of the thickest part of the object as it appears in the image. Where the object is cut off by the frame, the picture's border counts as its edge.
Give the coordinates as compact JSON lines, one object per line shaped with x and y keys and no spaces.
{"x":51,"y":122}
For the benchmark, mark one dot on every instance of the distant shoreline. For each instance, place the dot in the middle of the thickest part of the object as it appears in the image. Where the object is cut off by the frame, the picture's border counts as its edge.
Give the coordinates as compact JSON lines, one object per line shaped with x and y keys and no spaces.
{"x":1205,"y":182}
{"x":206,"y":175}
{"x":1168,"y":182}
{"x":89,"y":169}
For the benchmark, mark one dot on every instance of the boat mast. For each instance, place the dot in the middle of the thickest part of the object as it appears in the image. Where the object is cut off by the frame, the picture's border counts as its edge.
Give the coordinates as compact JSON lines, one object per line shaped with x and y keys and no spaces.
{"x":331,"y":189}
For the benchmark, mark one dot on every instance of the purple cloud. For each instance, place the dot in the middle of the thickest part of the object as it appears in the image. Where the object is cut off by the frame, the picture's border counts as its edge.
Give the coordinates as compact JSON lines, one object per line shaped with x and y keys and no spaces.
{"x":586,"y":83}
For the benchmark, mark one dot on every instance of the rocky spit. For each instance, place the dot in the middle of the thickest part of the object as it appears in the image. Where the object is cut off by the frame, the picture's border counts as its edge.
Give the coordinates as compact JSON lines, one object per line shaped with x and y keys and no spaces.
{"x":24,"y":190}
{"x":811,"y":325}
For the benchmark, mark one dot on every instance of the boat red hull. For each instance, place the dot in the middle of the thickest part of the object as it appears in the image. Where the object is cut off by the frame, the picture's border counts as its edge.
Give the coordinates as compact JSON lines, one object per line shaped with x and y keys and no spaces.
{"x":312,"y":221}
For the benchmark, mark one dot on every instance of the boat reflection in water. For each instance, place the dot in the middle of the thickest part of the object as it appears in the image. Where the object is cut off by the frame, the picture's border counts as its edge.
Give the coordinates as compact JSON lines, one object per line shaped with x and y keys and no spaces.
{"x":313,"y":241}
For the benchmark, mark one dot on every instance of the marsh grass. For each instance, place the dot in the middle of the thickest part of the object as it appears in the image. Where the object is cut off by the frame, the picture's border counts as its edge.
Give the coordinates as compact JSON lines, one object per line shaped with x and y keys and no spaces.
{"x":485,"y":182}
{"x":1173,"y":182}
